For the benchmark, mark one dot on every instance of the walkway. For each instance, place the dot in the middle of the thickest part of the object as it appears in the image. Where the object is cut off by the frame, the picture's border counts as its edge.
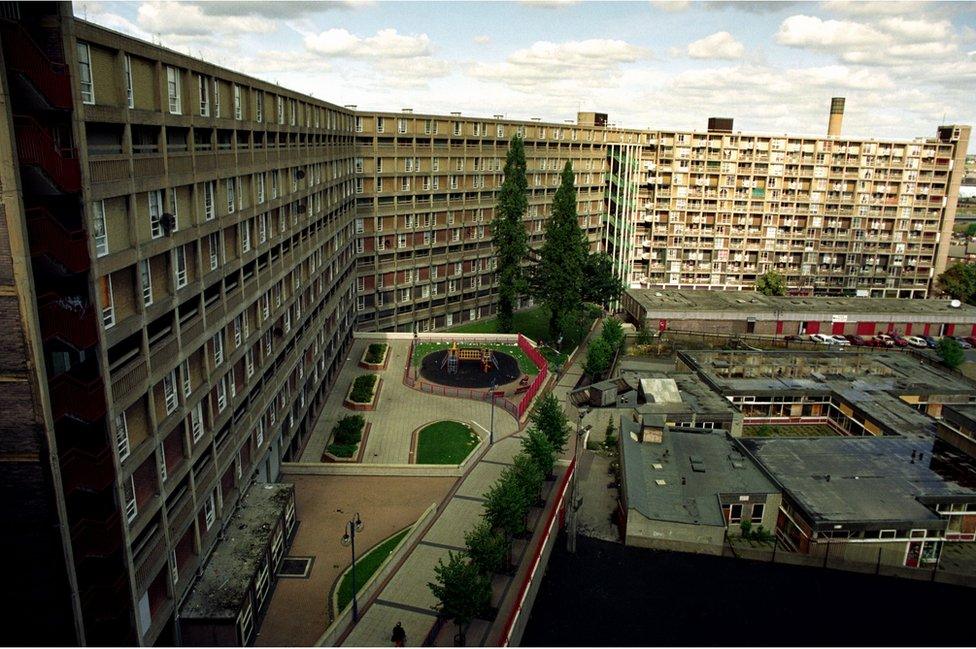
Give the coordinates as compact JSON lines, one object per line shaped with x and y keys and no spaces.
{"x":400,"y":411}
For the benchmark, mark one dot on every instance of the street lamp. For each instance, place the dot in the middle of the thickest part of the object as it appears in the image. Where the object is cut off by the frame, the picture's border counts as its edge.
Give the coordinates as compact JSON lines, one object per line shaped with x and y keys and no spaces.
{"x":349,"y":538}
{"x":571,"y":537}
{"x":491,"y":426}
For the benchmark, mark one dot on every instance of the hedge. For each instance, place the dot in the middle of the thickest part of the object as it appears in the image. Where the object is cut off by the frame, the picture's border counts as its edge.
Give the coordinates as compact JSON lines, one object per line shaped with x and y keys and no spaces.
{"x":375,"y":353}
{"x":362,"y":388}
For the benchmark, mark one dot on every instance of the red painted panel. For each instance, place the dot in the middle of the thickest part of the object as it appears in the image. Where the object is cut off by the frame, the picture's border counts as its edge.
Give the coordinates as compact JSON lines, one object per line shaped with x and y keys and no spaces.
{"x":950,"y":328}
{"x":865,"y":328}
{"x":891,"y":327}
{"x":908,"y":328}
{"x":779,"y":327}
{"x":973,"y":332}
{"x":662,"y":324}
{"x":813,"y":326}
{"x":837,"y":328}
{"x":926,"y":329}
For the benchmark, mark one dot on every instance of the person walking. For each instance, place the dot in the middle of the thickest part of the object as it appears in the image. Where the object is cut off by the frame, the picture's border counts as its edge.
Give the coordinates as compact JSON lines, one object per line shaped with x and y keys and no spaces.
{"x":399,"y":636}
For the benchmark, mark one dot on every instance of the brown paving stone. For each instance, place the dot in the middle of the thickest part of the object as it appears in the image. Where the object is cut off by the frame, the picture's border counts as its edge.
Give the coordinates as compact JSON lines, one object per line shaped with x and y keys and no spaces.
{"x":298,"y":612}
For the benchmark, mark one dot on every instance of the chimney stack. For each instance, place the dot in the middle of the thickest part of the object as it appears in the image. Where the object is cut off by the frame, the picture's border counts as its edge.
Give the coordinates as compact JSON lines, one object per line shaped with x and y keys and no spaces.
{"x":836,"y":116}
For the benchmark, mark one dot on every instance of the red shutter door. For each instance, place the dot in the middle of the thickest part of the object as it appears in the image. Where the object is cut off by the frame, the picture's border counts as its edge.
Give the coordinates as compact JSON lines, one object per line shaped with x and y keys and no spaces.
{"x":926,"y":329}
{"x":779,"y":327}
{"x":837,"y":328}
{"x":865,"y":328}
{"x":908,"y":328}
{"x":813,"y":326}
{"x":950,"y":328}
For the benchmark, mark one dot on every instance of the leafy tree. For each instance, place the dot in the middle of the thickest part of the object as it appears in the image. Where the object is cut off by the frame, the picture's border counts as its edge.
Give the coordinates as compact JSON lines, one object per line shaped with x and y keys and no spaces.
{"x":509,"y":235}
{"x":613,"y":332}
{"x":971,"y":230}
{"x":463,"y":592}
{"x":549,"y":418}
{"x":610,"y":437}
{"x":950,"y":351}
{"x":601,"y":284}
{"x":528,"y":476}
{"x":599,"y":355}
{"x":771,"y":283}
{"x":506,"y":504}
{"x":557,"y":278}
{"x":488,"y":548}
{"x":959,"y":281}
{"x":644,"y":336}
{"x":536,"y":445}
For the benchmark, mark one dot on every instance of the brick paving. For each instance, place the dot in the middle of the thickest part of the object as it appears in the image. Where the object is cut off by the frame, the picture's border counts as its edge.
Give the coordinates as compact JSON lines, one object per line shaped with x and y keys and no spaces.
{"x":400,"y":411}
{"x":298,"y":612}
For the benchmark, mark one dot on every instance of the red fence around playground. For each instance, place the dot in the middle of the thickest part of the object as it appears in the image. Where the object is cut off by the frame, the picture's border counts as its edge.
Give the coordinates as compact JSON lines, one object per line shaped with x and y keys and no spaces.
{"x":516,"y":409}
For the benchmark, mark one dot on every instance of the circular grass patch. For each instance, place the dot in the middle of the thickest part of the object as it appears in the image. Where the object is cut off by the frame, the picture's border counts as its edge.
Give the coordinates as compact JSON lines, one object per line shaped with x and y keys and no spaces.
{"x":445,"y":442}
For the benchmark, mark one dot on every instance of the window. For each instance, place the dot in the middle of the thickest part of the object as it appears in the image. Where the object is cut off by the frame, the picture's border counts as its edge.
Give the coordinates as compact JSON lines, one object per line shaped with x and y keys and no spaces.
{"x":98,"y":228}
{"x":436,"y":164}
{"x":245,"y":231}
{"x":401,"y":126}
{"x":196,"y":422}
{"x":238,"y":333}
{"x":262,"y":228}
{"x":216,"y":94}
{"x":222,"y":394}
{"x":231,"y":202}
{"x":169,"y":392}
{"x":187,"y":380}
{"x":204,"y":88}
{"x":145,"y":280}
{"x":757,"y":512}
{"x":379,"y":124}
{"x":127,"y":74}
{"x":179,"y":266}
{"x":173,"y":89}
{"x":259,"y":107}
{"x":238,"y":109}
{"x":735,"y":513}
{"x":260,"y":185}
{"x":122,"y":436}
{"x":155,"y":199}
{"x":174,"y":566}
{"x":281,"y":110}
{"x":457,"y":128}
{"x":359,"y":124}
{"x":209,"y":188}
{"x":500,"y":131}
{"x":218,"y":348}
{"x":129,"y":496}
{"x":249,"y":362}
{"x":173,"y":208}
{"x":108,"y":305}
{"x":213,"y":244}
{"x":85,"y":74}
{"x":161,"y":458}
{"x":209,"y":511}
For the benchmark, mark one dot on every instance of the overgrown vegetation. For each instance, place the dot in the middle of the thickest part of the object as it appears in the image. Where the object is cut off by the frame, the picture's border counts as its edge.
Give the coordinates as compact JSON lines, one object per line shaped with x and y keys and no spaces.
{"x":950,"y":351}
{"x":759,"y":534}
{"x":362,"y":388}
{"x":375,"y":353}
{"x":771,"y":283}
{"x":346,"y":435}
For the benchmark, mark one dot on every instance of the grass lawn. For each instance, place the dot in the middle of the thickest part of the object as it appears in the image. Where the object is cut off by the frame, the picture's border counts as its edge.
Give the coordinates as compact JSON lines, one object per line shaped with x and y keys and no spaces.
{"x":365,"y":567}
{"x":445,"y":442}
{"x":525,"y":363}
{"x":789,"y":430}
{"x":533,"y":323}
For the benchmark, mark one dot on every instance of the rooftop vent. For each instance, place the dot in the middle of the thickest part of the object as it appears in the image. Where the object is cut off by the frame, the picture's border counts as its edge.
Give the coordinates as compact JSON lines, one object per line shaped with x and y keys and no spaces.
{"x":456,"y":113}
{"x":498,"y":116}
{"x":407,"y":110}
{"x":660,"y":483}
{"x":535,"y":119}
{"x":351,"y":106}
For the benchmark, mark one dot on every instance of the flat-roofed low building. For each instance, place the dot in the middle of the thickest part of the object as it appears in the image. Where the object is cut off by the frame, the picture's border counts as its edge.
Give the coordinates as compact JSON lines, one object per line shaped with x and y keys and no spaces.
{"x":877,"y":500}
{"x":682,"y":488}
{"x":958,"y":428}
{"x":751,"y":312}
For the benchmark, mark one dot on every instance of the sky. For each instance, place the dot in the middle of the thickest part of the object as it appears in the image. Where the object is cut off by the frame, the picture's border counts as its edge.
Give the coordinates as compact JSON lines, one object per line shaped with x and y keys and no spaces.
{"x":904,"y":67}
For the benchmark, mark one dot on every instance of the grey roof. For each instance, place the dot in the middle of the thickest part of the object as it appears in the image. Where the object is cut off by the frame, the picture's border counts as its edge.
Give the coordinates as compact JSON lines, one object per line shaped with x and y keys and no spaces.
{"x":660,"y":390}
{"x":225,"y":581}
{"x":694,"y":397}
{"x":708,"y":461}
{"x":719,"y":304}
{"x":872,"y":479}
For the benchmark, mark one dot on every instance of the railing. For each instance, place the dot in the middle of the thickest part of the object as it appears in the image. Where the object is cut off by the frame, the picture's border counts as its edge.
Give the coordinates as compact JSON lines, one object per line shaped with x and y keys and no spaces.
{"x":35,"y":146}
{"x":180,"y":515}
{"x":25,"y":56}
{"x":128,"y":378}
{"x":150,"y":561}
{"x":49,"y":237}
{"x":526,"y":346}
{"x":74,"y":325}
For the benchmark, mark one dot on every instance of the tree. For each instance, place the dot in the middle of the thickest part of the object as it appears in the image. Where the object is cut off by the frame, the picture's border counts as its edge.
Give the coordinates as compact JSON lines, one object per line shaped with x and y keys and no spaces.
{"x":463,"y":592}
{"x":610,"y":437}
{"x":771,"y":283}
{"x":601,"y":285}
{"x":644,"y":336}
{"x":950,"y":351}
{"x":529,"y":478}
{"x":599,"y":355}
{"x":551,"y":420}
{"x":971,"y":230}
{"x":488,"y":548}
{"x":536,"y":445}
{"x":613,"y":332}
{"x":509,"y":235}
{"x":959,"y":281}
{"x":506,"y":504}
{"x":557,"y":278}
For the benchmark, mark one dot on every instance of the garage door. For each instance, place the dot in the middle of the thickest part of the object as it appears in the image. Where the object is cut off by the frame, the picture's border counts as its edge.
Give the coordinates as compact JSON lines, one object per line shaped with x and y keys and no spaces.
{"x":813,"y":326}
{"x":837,"y":328}
{"x":865,"y":328}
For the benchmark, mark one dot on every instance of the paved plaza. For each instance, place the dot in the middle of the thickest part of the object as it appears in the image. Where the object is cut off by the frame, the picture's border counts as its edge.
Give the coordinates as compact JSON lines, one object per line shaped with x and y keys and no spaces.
{"x":400,"y":410}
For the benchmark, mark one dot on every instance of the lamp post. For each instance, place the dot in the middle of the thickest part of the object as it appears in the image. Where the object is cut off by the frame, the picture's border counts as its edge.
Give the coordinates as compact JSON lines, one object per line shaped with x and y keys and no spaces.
{"x":491,"y":426}
{"x":571,"y":537}
{"x":349,"y":538}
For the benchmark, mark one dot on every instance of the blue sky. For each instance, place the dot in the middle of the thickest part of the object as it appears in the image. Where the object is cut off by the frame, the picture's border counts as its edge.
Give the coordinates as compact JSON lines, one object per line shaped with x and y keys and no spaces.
{"x":771,"y":66}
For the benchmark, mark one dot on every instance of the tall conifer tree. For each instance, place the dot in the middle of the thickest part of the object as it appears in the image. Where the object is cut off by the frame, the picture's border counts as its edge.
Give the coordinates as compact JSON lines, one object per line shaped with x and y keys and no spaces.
{"x":508,"y":233}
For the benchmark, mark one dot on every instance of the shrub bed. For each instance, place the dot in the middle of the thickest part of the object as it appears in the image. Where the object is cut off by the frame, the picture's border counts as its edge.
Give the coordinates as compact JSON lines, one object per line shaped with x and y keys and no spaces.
{"x":362,"y":388}
{"x":346,"y":435}
{"x":375,"y":353}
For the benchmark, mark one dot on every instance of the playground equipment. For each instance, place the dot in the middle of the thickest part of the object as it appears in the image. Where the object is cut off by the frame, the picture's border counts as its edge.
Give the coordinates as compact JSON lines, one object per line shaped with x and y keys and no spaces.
{"x":456,"y":354}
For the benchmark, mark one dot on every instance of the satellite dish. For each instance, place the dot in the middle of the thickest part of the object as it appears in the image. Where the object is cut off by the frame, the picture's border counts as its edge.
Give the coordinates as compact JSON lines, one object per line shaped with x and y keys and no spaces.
{"x":955,"y":304}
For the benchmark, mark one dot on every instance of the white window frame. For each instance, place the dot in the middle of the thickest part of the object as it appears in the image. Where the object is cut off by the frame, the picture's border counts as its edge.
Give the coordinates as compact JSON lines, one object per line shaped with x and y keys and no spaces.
{"x":86,"y":81}
{"x":131,"y":506}
{"x":196,"y":422}
{"x":203,"y":89}
{"x":170,"y":397}
{"x":99,"y":232}
{"x":108,"y":310}
{"x":231,"y":196}
{"x":179,"y":267}
{"x":154,"y":199}
{"x":122,"y":436}
{"x":209,"y":511}
{"x":187,"y":379}
{"x":127,"y":79}
{"x":216,"y":97}
{"x":145,"y":282}
{"x":217,"y":341}
{"x":238,"y":108}
{"x":173,"y":90}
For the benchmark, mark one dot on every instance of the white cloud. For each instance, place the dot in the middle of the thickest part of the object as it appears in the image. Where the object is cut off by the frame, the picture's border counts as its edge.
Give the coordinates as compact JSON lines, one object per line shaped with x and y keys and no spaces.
{"x":814,"y":33}
{"x":188,"y":19}
{"x":279,"y":9}
{"x":720,"y":45}
{"x":916,"y":31}
{"x":387,"y":43}
{"x":482,"y":39}
{"x":863,"y":8}
{"x":671,"y":6}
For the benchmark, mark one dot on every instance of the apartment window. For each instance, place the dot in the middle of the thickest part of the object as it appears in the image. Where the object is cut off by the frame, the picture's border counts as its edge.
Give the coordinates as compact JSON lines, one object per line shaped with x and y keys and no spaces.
{"x":404,"y":184}
{"x":238,"y":333}
{"x":379,"y":124}
{"x":454,"y":182}
{"x":179,"y":266}
{"x":238,"y":109}
{"x":401,"y":126}
{"x":169,"y":392}
{"x":404,"y":294}
{"x":457,"y":128}
{"x":85,"y":74}
{"x":127,"y":77}
{"x":108,"y":304}
{"x":231,"y":202}
{"x":499,"y":131}
{"x":214,"y":244}
{"x":262,"y":228}
{"x":161,"y":460}
{"x":735,"y":513}
{"x":129,"y":496}
{"x":218,"y":348}
{"x":259,"y":430}
{"x":757,"y":512}
{"x":173,"y":208}
{"x":359,"y":124}
{"x":98,"y":228}
{"x":216,"y":93}
{"x":155,"y":199}
{"x":187,"y":380}
{"x":266,"y":306}
{"x":259,"y":106}
{"x":145,"y":280}
{"x":359,"y":165}
{"x":249,"y":362}
{"x":245,"y":230}
{"x":274,"y":184}
{"x":203,"y":86}
{"x":293,"y":106}
{"x":209,"y":511}
{"x":401,"y":241}
{"x":436,"y":164}
{"x":259,"y":181}
{"x":457,"y":265}
{"x":281,"y":109}
{"x":173,"y":89}
{"x":196,"y":422}
{"x":222,"y":394}
{"x":122,"y":436}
